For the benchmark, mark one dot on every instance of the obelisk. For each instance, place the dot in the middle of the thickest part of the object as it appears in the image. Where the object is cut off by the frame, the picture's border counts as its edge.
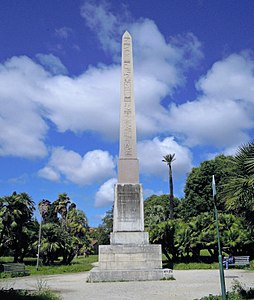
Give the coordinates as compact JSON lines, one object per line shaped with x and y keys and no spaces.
{"x":128,"y":171}
{"x":128,"y":205}
{"x":129,"y":256}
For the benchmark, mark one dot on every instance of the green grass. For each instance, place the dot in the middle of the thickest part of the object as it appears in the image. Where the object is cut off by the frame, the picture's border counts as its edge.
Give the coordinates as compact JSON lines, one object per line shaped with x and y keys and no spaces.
{"x":195,"y":266}
{"x":79,"y":264}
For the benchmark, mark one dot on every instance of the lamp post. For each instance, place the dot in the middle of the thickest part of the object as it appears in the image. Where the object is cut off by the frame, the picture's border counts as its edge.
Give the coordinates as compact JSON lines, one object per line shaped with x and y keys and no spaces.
{"x":39,"y":246}
{"x":222,"y":279}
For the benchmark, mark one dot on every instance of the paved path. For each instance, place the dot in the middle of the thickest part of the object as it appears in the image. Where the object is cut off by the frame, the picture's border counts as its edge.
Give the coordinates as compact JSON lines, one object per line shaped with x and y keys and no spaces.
{"x":189,"y":284}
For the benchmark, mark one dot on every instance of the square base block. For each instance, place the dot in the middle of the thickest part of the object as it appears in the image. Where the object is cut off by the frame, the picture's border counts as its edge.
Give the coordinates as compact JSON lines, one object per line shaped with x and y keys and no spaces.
{"x":123,"y":238}
{"x":129,"y":257}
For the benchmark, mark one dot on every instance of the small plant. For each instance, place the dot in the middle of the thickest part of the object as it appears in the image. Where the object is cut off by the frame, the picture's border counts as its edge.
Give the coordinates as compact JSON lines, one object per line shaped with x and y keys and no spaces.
{"x":244,"y":292}
{"x":42,"y":285}
{"x":238,"y":293}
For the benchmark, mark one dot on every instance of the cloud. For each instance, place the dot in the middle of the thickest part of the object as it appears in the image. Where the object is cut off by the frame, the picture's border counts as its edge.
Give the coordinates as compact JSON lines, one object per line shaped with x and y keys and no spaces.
{"x":52,"y":63}
{"x":223,"y":113}
{"x":105,"y":194}
{"x":63,"y":32}
{"x":23,"y":128}
{"x":49,"y":173}
{"x":221,"y":116}
{"x":93,"y":167}
{"x":151,"y":152}
{"x":22,"y":179}
{"x":105,"y":24}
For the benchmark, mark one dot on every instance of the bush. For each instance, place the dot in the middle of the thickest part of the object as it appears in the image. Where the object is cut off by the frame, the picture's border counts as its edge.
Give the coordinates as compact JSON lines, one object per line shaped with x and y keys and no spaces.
{"x":238,"y":293}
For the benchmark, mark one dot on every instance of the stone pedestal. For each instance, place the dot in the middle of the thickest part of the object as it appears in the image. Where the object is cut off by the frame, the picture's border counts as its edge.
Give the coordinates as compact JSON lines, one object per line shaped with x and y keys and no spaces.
{"x":128,"y":263}
{"x":129,"y":256}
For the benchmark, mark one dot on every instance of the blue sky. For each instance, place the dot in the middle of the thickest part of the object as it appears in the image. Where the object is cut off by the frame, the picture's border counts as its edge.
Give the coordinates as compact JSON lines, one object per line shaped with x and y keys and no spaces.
{"x":60,"y":87}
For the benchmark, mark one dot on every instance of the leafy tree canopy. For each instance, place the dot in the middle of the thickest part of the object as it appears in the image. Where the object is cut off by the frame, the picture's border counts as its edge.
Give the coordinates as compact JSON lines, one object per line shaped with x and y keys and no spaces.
{"x":198,"y":187}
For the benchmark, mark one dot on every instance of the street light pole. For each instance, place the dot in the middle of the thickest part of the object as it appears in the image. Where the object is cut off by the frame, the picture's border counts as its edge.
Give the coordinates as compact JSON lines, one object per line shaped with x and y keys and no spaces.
{"x":39,"y":245}
{"x":222,"y":279}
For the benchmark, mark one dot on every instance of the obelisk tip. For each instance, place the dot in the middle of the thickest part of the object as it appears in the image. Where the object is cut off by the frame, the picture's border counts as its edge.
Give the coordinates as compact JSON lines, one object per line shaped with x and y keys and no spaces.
{"x":126,"y":34}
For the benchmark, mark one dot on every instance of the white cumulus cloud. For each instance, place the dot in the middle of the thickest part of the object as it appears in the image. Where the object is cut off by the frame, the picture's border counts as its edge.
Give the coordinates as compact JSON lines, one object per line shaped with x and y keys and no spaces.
{"x":151,"y":152}
{"x":23,"y":128}
{"x":92,"y":167}
{"x":105,"y":195}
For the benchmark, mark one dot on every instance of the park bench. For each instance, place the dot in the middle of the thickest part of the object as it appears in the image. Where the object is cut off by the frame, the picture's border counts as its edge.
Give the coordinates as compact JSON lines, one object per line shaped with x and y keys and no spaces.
{"x":14,"y":268}
{"x":239,"y":261}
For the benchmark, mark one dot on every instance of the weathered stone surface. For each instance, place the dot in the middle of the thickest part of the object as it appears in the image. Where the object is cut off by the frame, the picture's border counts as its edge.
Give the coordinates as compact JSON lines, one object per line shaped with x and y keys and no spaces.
{"x":114,"y":257}
{"x":128,"y":170}
{"x":97,"y":275}
{"x":128,"y":208}
{"x":128,"y":164}
{"x":123,"y":238}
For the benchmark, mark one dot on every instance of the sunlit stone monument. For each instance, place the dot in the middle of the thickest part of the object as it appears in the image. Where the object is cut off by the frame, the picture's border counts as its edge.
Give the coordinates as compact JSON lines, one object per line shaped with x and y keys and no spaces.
{"x":129,"y":255}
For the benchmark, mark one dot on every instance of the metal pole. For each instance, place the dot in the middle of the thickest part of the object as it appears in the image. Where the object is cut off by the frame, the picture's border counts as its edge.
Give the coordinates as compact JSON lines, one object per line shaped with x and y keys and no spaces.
{"x":222,"y":278}
{"x":39,"y":245}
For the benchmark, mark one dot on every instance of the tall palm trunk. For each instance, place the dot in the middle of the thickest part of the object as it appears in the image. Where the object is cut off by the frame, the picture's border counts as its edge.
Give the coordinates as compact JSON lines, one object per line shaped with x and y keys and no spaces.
{"x":171,"y":194}
{"x":169,"y":158}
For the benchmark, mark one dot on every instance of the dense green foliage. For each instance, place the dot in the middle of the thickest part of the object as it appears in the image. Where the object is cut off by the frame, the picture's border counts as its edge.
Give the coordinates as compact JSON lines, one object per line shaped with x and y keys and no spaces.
{"x":64,"y":229}
{"x":198,"y":194}
{"x":193,"y":228}
{"x":17,"y":226}
{"x":66,"y":236}
{"x":239,"y":189}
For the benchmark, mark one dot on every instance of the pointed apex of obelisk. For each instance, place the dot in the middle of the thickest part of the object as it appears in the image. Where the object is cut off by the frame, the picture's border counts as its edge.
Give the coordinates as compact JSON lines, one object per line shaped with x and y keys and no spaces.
{"x":126,"y":34}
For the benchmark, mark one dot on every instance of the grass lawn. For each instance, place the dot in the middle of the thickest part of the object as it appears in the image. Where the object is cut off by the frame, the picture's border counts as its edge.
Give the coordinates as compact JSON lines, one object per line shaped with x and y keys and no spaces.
{"x":79,"y":264}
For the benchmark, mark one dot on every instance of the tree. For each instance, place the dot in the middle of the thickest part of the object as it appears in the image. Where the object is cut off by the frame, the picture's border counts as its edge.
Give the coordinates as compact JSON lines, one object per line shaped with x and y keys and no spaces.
{"x":102,"y":233}
{"x":17,"y":223}
{"x":239,"y":189}
{"x":69,"y":236}
{"x":61,"y":207}
{"x":169,"y":158}
{"x":44,"y":208}
{"x":156,"y":210}
{"x":198,"y":192}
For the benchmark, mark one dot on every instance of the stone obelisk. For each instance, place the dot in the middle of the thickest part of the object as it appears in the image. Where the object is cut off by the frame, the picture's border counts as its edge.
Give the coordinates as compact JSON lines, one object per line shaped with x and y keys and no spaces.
{"x":129,"y":256}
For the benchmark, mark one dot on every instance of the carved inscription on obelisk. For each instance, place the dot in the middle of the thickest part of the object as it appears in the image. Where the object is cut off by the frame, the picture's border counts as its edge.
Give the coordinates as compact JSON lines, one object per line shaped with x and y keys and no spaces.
{"x":128,"y":163}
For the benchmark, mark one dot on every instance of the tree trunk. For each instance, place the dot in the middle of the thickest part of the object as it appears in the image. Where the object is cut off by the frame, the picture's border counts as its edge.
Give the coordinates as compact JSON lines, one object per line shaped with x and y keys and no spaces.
{"x":171,"y":194}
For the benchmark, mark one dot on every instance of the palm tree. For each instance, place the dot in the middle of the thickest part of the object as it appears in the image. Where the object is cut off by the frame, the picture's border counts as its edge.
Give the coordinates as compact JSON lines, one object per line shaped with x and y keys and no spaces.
{"x":44,"y":206}
{"x":169,"y":158}
{"x":239,"y":190}
{"x":61,"y":207}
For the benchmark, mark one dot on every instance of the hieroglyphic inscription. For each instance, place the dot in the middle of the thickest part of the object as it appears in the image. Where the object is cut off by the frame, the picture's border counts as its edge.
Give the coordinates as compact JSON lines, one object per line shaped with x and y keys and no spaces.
{"x":127,"y":95}
{"x":128,"y":204}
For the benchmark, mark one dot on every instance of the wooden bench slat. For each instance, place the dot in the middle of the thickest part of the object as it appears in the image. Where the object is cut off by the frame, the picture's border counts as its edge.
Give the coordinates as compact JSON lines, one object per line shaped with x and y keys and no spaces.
{"x":14,"y":267}
{"x":239,"y":261}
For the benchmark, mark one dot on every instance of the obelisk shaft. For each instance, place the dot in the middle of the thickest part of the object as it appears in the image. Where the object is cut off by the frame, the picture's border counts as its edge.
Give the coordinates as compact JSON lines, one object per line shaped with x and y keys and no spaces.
{"x":128,"y":169}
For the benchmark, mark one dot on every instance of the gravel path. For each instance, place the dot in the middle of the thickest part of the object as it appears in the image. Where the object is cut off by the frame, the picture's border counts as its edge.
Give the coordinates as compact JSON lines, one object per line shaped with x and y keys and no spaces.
{"x":189,"y":284}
